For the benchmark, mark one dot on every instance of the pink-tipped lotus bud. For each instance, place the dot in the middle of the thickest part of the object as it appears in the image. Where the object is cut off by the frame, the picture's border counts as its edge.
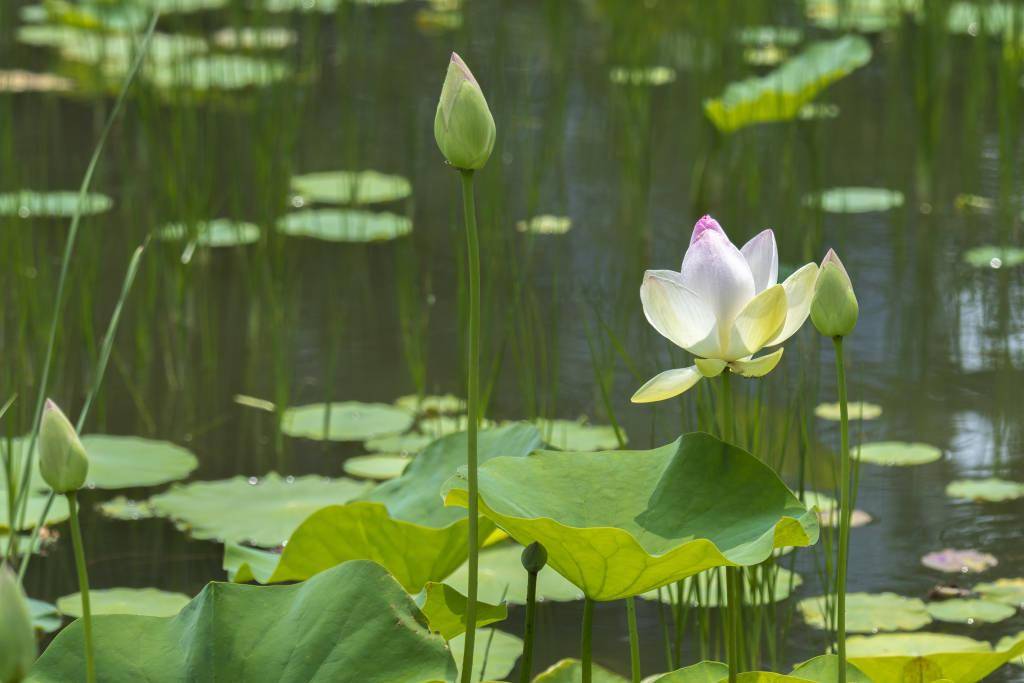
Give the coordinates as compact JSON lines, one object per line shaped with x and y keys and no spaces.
{"x":463,"y":125}
{"x":834,"y":307}
{"x":62,"y":458}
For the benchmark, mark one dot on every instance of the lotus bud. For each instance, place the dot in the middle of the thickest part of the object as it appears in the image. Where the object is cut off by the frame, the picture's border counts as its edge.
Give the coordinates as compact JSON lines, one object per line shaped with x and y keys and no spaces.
{"x":62,"y":458}
{"x":834,"y":306}
{"x":17,"y":639}
{"x":534,"y":557}
{"x":463,"y":125}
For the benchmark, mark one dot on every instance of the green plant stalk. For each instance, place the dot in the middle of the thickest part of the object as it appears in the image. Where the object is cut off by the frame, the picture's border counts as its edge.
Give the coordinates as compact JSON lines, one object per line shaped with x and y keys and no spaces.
{"x":844,"y":510}
{"x":634,"y":640}
{"x":734,"y":598}
{"x":530,"y":628}
{"x":586,"y":641}
{"x":472,"y":416}
{"x":83,"y":586}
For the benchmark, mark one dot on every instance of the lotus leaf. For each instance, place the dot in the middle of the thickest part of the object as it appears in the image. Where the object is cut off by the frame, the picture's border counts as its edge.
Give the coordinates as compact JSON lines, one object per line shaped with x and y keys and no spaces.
{"x":403,"y":444}
{"x":201,"y":73}
{"x":36,"y":503}
{"x":546,"y":224}
{"x":822,"y":501}
{"x":148,"y":602}
{"x":352,"y":622}
{"x":345,"y":421}
{"x":19,"y":81}
{"x":1006,"y":642}
{"x":501,"y":573}
{"x":641,"y":75}
{"x":445,"y":404}
{"x":351,"y":187}
{"x":45,"y":618}
{"x":29,"y":204}
{"x":621,"y":523}
{"x":897,"y":453}
{"x":864,"y":16}
{"x":817,"y":111}
{"x":345,"y":225}
{"x":1006,"y":591}
{"x":870,"y":612}
{"x":380,"y":467}
{"x":927,"y":657}
{"x":571,"y":671}
{"x":127,"y":509}
{"x":830,"y":517}
{"x":254,"y":38}
{"x":990,"y":256}
{"x":494,"y":653}
{"x":781,"y":584}
{"x":445,"y":610}
{"x":990,"y":490}
{"x":777,"y":35}
{"x":701,"y":672}
{"x":577,"y":435}
{"x":959,"y":561}
{"x":220,"y":232}
{"x":855,"y":200}
{"x":262,"y":511}
{"x":970,"y":18}
{"x":779,"y":95}
{"x":823,"y":669}
{"x":442,"y":425}
{"x":857,"y":410}
{"x":966,"y":611}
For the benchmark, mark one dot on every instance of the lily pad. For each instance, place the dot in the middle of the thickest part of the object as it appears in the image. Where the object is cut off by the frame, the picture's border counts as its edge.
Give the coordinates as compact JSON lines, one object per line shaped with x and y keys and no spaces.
{"x":494,"y":653}
{"x":1005,"y":643}
{"x":121,"y":507}
{"x":817,"y":111}
{"x":220,"y":232}
{"x":701,"y":672}
{"x":990,"y":490}
{"x":770,"y":35}
{"x":782,"y":585}
{"x":351,"y":187}
{"x":571,"y":671}
{"x":345,"y":225}
{"x":445,"y":610}
{"x":201,"y":73}
{"x":642,"y":75}
{"x":857,"y":410}
{"x":403,"y":444}
{"x":29,"y":204}
{"x":20,"y":81}
{"x":545,"y":224}
{"x":45,"y":618}
{"x":779,"y":95}
{"x":501,"y":574}
{"x":927,"y":657}
{"x":855,"y":200}
{"x":822,"y":501}
{"x":442,"y":404}
{"x":970,"y":611}
{"x":345,"y":421}
{"x":870,"y":612}
{"x":959,"y":561}
{"x":148,"y":602}
{"x":677,"y":510}
{"x":262,"y":511}
{"x":379,"y":467}
{"x":36,"y":502}
{"x":824,"y":669}
{"x":990,"y":256}
{"x":864,"y":16}
{"x":353,"y":622}
{"x":830,"y":517}
{"x":254,"y":38}
{"x":117,"y":462}
{"x":442,"y":425}
{"x":1006,"y":591}
{"x":578,"y":435}
{"x":897,"y":453}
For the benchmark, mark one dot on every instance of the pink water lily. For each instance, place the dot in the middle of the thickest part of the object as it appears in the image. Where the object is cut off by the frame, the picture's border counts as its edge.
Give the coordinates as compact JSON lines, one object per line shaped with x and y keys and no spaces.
{"x":723,"y":306}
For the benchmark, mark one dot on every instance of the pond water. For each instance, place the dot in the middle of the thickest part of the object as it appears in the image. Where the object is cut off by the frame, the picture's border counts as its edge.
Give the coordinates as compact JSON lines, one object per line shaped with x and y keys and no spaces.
{"x":935,"y":115}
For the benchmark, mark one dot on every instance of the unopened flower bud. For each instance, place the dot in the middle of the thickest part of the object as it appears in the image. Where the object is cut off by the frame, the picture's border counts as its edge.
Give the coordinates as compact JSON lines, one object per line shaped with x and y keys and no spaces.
{"x":534,"y":557}
{"x":17,"y":639}
{"x":834,"y":307}
{"x":463,"y":126}
{"x":62,"y":458}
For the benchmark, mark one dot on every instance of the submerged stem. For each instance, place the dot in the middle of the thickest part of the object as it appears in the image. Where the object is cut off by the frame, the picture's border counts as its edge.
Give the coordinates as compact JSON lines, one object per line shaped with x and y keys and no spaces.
{"x":586,"y":641}
{"x":526,"y":666}
{"x":634,"y":640}
{"x":844,"y":509}
{"x":83,"y":585}
{"x":472,"y":415}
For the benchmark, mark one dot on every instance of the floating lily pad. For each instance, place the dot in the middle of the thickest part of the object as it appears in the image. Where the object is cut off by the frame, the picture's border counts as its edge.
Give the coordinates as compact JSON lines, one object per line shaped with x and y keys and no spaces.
{"x":346,"y":421}
{"x":822,"y":501}
{"x":855,"y":200}
{"x":691,"y":505}
{"x":701,"y":672}
{"x":870,"y":612}
{"x":970,"y":611}
{"x":127,"y":509}
{"x":764,"y":55}
{"x":864,"y":16}
{"x":774,"y":588}
{"x":148,"y":602}
{"x":897,"y":453}
{"x":1006,"y":591}
{"x":545,"y":224}
{"x":856,"y":410}
{"x":352,"y":622}
{"x":45,"y":618}
{"x":445,"y":404}
{"x":973,"y":18}
{"x":442,"y":425}
{"x":351,"y":187}
{"x":112,"y":53}
{"x":830,"y":517}
{"x":380,"y":467}
{"x":1007,"y":642}
{"x":219,"y":232}
{"x":578,"y":435}
{"x":29,"y":204}
{"x":974,"y":203}
{"x":445,"y":610}
{"x":36,"y":502}
{"x":403,"y":444}
{"x":985,"y":490}
{"x":642,"y":75}
{"x":571,"y":671}
{"x":779,"y":95}
{"x":501,"y":574}
{"x":771,"y":35}
{"x":927,"y":657}
{"x":262,"y":511}
{"x":824,"y":668}
{"x":989,"y":256}
{"x":345,"y":225}
{"x":494,"y":654}
{"x":117,"y":462}
{"x":959,"y":561}
{"x":305,"y":6}
{"x":217,"y":72}
{"x":817,"y":111}
{"x":254,"y":38}
{"x":19,"y":81}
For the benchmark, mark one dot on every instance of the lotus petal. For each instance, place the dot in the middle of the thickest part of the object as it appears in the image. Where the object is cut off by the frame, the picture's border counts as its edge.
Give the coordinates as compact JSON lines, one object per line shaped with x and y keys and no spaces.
{"x":710,"y":367}
{"x":760,"y":320}
{"x":762,"y":256}
{"x":667,"y":384}
{"x":716,"y":271}
{"x":799,"y":293}
{"x":675,"y":311}
{"x":757,"y":367}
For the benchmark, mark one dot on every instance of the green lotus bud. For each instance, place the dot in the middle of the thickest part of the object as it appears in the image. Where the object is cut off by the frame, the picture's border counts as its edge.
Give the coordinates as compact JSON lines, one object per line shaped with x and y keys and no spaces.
{"x":62,"y":459}
{"x":17,"y":639}
{"x":463,"y":125}
{"x":834,"y":306}
{"x":534,"y":557}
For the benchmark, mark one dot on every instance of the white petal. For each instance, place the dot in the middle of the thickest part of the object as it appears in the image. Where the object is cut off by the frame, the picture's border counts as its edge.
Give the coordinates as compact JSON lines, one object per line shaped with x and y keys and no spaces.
{"x":667,"y":384}
{"x":716,"y":271}
{"x":673,"y":310}
{"x":762,"y":256}
{"x":760,"y":320}
{"x":799,"y":292}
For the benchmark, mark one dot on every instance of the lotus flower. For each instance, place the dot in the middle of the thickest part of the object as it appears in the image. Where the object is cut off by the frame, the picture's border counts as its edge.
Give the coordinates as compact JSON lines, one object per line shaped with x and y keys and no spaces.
{"x":723,"y":306}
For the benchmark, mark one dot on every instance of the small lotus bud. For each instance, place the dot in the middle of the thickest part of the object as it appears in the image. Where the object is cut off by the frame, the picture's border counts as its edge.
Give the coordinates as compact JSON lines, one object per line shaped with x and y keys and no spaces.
{"x":62,"y":458}
{"x":463,"y":125}
{"x":534,"y":557}
{"x":17,"y":638}
{"x":834,"y":307}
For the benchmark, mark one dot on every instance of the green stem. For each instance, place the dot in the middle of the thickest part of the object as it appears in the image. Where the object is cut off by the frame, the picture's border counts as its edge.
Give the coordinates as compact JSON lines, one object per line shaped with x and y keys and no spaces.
{"x":526,"y":666}
{"x":844,"y":509}
{"x":473,"y":415}
{"x":732,"y":582}
{"x":634,"y":640}
{"x":83,"y":585}
{"x":586,"y":641}
{"x":727,"y":421}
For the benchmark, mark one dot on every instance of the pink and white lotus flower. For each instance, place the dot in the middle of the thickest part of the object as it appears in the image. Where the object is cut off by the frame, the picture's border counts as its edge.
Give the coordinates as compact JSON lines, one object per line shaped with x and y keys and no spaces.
{"x":723,"y":306}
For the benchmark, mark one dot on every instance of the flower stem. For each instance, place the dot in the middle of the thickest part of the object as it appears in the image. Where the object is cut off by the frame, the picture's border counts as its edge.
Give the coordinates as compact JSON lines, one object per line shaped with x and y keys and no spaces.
{"x":83,"y":585}
{"x":844,"y":509}
{"x":586,"y":641}
{"x":530,"y":628}
{"x":734,"y":600}
{"x":473,"y":415}
{"x":634,"y":640}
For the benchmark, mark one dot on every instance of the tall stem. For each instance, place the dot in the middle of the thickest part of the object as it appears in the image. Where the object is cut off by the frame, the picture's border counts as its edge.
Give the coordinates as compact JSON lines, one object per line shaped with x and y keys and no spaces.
{"x":844,"y":508}
{"x":473,"y":415}
{"x":734,"y":599}
{"x":526,"y":666}
{"x":83,"y":585}
{"x":634,"y":640}
{"x":586,"y":649}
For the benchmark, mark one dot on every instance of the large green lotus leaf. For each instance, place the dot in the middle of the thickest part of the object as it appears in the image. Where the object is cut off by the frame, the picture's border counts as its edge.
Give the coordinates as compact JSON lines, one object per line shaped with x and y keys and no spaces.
{"x":352,"y":623}
{"x":220,"y":232}
{"x":823,"y":669}
{"x":708,"y":588}
{"x":779,"y":95}
{"x":45,"y":618}
{"x":870,"y":612}
{"x":990,"y":490}
{"x":578,"y":435}
{"x":855,"y":200}
{"x":701,"y":672}
{"x":966,"y":611}
{"x":29,"y":204}
{"x":147,"y":602}
{"x":990,"y":256}
{"x":501,"y":574}
{"x":494,"y":653}
{"x":621,"y":523}
{"x":445,"y":610}
{"x":898,"y":657}
{"x":380,"y":467}
{"x":571,"y":671}
{"x":897,"y":453}
{"x":36,"y":503}
{"x":351,"y":187}
{"x":261,"y":511}
{"x":1006,"y":591}
{"x":345,"y":421}
{"x":1005,"y":643}
{"x":345,"y":225}
{"x":857,"y":410}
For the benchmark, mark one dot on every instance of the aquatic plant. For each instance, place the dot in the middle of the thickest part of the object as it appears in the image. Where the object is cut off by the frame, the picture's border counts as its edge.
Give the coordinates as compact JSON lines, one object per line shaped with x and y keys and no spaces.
{"x":17,"y":638}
